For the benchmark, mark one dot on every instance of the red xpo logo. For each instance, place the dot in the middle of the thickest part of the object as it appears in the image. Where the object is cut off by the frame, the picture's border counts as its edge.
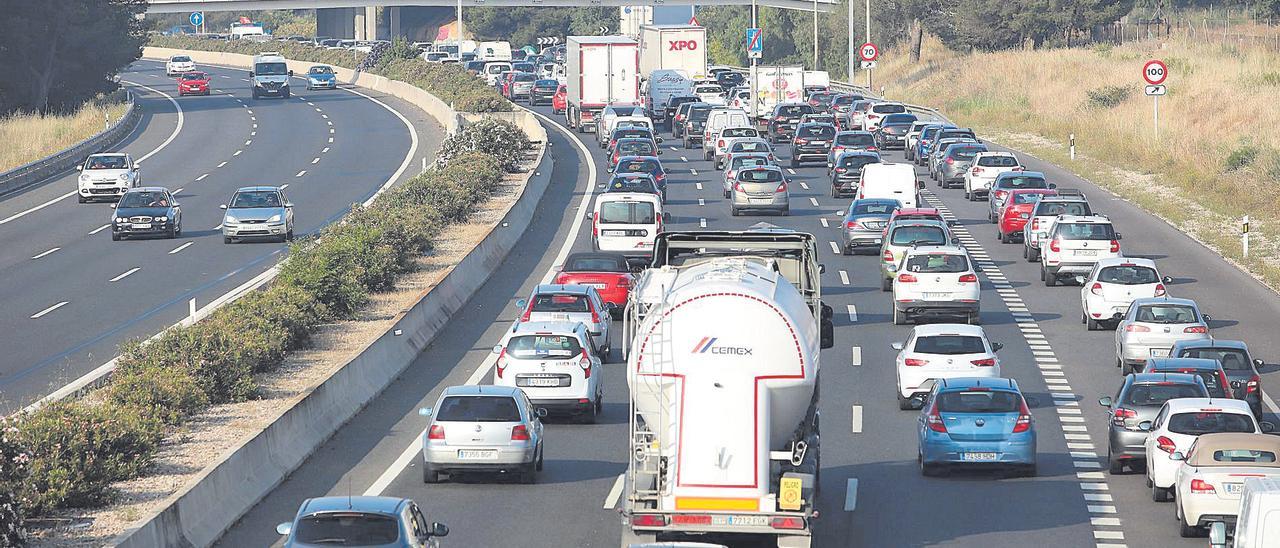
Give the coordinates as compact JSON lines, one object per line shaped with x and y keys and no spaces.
{"x":682,"y":45}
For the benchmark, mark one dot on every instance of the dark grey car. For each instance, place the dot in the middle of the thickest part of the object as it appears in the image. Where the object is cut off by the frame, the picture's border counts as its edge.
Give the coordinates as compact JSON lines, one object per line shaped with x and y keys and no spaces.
{"x":956,"y":160}
{"x":1139,"y":399}
{"x":846,"y":172}
{"x":1240,"y":366}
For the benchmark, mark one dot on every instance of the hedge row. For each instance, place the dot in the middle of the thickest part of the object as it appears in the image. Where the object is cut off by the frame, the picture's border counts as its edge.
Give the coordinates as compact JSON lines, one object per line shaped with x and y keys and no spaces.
{"x":450,"y":82}
{"x":67,"y":454}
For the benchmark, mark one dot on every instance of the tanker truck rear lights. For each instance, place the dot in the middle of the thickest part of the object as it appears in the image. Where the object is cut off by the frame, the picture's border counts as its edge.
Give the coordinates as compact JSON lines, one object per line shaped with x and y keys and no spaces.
{"x":649,"y":520}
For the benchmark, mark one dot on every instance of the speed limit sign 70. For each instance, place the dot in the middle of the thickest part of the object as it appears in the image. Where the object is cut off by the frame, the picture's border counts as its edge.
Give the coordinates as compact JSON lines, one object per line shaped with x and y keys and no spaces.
{"x":868,"y":52}
{"x":1154,"y":72}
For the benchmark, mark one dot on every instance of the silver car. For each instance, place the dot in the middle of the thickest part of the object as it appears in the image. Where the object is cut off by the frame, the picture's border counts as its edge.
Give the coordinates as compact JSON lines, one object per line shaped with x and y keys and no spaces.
{"x":258,"y":212}
{"x":865,"y":222}
{"x":1152,"y":325}
{"x":760,"y":187}
{"x":482,"y":428}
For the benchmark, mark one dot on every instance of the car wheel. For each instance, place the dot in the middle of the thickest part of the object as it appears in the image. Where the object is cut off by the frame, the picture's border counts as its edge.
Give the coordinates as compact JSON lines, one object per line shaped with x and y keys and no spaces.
{"x":899,"y":317}
{"x":115,"y":237}
{"x":734,"y":211}
{"x":706,"y":156}
{"x":968,"y":195}
{"x":1050,"y":280}
{"x":538,"y":466}
{"x":172,"y":233}
{"x":1092,"y":325}
{"x":430,"y":475}
{"x":846,"y":250}
{"x":288,"y":236}
{"x":1184,"y":530}
{"x":904,"y":404}
{"x":529,"y":475}
{"x":786,"y":210}
{"x":589,"y":417}
{"x":81,"y":199}
{"x":726,"y":194}
{"x":794,"y":162}
{"x":1159,"y":494}
{"x":226,"y":239}
{"x":886,"y":284}
{"x":1000,"y":236}
{"x":1114,"y":466}
{"x":929,"y":470}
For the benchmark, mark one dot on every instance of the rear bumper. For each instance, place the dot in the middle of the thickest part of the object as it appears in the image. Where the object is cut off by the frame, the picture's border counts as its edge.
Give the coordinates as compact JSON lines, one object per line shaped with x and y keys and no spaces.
{"x":936,"y":308}
{"x":1021,"y":449}
{"x":1062,"y":269}
{"x":569,"y":406}
{"x":444,"y":457}
{"x":856,"y":238}
{"x":1126,"y":444}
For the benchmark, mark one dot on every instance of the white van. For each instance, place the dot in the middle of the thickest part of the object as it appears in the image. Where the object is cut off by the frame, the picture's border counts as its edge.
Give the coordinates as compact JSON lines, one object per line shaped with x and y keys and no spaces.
{"x":1258,"y":523}
{"x":627,"y":222}
{"x":718,"y":119}
{"x":893,"y":181}
{"x":493,"y":51}
{"x":493,"y":69}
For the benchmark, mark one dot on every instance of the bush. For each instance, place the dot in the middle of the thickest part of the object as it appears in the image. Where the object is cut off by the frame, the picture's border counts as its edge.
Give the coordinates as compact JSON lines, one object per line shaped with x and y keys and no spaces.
{"x":1109,"y":96}
{"x":170,"y":394}
{"x":1242,"y":157}
{"x":499,"y":138}
{"x":79,"y":449}
{"x":220,"y":355}
{"x":13,"y":470}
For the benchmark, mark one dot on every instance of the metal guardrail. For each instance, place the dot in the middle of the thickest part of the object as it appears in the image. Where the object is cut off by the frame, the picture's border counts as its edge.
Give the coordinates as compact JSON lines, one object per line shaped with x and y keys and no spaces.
{"x":38,"y":171}
{"x":846,"y":87}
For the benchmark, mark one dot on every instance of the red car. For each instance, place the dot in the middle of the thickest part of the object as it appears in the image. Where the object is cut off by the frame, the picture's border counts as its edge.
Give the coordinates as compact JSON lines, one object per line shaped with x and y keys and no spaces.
{"x":1017,"y":209}
{"x":193,"y":83}
{"x":560,"y":101}
{"x":606,"y":272}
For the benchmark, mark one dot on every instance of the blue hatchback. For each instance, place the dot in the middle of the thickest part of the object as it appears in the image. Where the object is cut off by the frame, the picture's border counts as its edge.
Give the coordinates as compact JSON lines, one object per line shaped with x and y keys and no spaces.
{"x":979,"y":422}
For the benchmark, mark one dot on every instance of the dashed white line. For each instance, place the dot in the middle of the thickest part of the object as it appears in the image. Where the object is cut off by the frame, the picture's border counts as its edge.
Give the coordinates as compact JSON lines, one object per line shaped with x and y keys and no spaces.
{"x":324,"y":115}
{"x":804,"y":185}
{"x":179,"y":190}
{"x":331,"y":138}
{"x":693,"y":171}
{"x":222,"y":164}
{"x":853,"y":313}
{"x":301,"y":173}
{"x":813,"y":201}
{"x":201,"y":178}
{"x":126,"y":273}
{"x":181,"y":247}
{"x":699,"y":185}
{"x":684,"y":159}
{"x":824,"y":222}
{"x":702,"y":202}
{"x":48,"y":252}
{"x":284,"y":186}
{"x":702,"y":223}
{"x":248,"y":142}
{"x":238,"y":152}
{"x":37,"y":315}
{"x":835,"y":248}
{"x":791,"y":171}
{"x":844,"y":278}
{"x":326,"y":149}
{"x":315,"y":160}
{"x":99,"y":229}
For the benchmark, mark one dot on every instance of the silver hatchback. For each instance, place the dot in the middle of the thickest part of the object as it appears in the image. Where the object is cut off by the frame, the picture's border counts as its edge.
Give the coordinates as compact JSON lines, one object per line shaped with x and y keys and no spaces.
{"x":760,"y":187}
{"x":1151,"y":327}
{"x":258,"y":212}
{"x":482,"y":428}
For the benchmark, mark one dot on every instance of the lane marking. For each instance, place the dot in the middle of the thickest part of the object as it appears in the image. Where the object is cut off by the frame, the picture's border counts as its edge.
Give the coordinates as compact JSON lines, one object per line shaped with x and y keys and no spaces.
{"x":813,"y":201}
{"x":856,"y":356}
{"x":99,"y":229}
{"x":48,"y":252}
{"x":284,"y":186}
{"x":693,"y":171}
{"x":238,"y":152}
{"x":824,"y":222}
{"x":222,"y":164}
{"x":684,"y":159}
{"x":201,"y":178}
{"x":702,"y":202}
{"x":179,"y":190}
{"x":325,"y":150}
{"x":37,"y":315}
{"x":791,"y":171}
{"x":853,"y":313}
{"x":834,"y":248}
{"x":699,"y":185}
{"x":315,"y":160}
{"x":702,"y":223}
{"x":803,"y":185}
{"x":181,"y":247}
{"x":301,"y":173}
{"x":844,"y":278}
{"x":126,"y":273}
{"x":248,"y":142}
{"x":615,"y":492}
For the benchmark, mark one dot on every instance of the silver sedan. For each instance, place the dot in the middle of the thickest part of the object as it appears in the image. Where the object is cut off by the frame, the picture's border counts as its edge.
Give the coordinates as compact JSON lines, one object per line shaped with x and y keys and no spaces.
{"x":483,"y":428}
{"x":1152,"y":325}
{"x":258,"y":212}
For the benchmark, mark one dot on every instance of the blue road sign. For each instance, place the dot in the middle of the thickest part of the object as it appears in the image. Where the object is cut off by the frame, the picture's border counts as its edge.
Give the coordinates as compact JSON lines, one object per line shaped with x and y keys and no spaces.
{"x":197,"y":18}
{"x":755,"y":41}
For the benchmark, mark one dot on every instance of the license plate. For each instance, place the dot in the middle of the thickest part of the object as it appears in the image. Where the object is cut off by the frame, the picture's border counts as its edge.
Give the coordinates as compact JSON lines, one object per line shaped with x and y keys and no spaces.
{"x":937,"y":295}
{"x":1233,"y":488}
{"x":1086,"y":253}
{"x":543,"y":382}
{"x":560,"y":317}
{"x":613,"y":233}
{"x":596,"y":285}
{"x":141,"y":225}
{"x":1159,"y":352}
{"x":819,"y":142}
{"x":739,"y":520}
{"x":477,"y":454}
{"x":977,"y":457}
{"x":760,"y":200}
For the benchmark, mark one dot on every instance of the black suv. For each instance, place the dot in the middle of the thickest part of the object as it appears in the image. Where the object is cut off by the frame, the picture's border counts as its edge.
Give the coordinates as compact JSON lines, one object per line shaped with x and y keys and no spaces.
{"x":694,"y":122}
{"x":784,"y":119}
{"x":673,"y":105}
{"x":812,"y":142}
{"x":846,"y":174}
{"x":893,"y":130}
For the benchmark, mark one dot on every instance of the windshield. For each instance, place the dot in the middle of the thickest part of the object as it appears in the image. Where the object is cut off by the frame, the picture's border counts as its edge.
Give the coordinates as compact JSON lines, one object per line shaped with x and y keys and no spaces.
{"x":816,"y":131}
{"x":478,"y":409}
{"x":1210,"y":377}
{"x":1027,"y":198}
{"x":559,"y":302}
{"x":844,"y":100}
{"x":760,"y":176}
{"x":699,"y":114}
{"x":546,"y":84}
{"x":750,"y":146}
{"x":1166,"y":314}
{"x":707,"y":89}
{"x":107,"y":162}
{"x":1154,"y":395}
{"x":1232,"y":359}
{"x":636,"y":148}
{"x":257,"y":198}
{"x":1206,"y":422}
{"x":899,"y":119}
{"x":992,"y":401}
{"x":347,"y":529}
{"x":1085,"y":231}
{"x":270,"y":69}
{"x":998,"y":161}
{"x":1128,"y":275}
{"x":953,"y":134}
{"x":1063,"y":208}
{"x":180,"y":59}
{"x":856,"y":139}
{"x":144,"y":198}
{"x":321,"y":70}
{"x":193,"y":76}
{"x":627,"y":213}
{"x":625,"y":111}
{"x":927,"y":235}
{"x":873,"y":208}
{"x":595,"y":264}
{"x":937,"y":263}
{"x":857,"y":161}
{"x":739,"y":132}
{"x":966,"y":153}
{"x":888,"y":108}
{"x":950,"y":345}
{"x":631,"y":184}
{"x":1022,"y":181}
{"x":637,"y":166}
{"x":740,"y":162}
{"x":540,"y":346}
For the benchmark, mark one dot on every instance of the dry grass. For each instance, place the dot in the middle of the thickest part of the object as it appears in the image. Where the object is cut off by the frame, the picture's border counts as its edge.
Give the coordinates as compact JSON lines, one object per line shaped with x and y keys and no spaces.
{"x":1215,"y":160}
{"x":30,"y":137}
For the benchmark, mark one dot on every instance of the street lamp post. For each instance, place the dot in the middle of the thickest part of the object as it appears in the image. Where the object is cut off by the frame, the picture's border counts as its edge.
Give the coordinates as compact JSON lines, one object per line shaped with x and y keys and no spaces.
{"x":755,"y":25}
{"x":868,"y":41}
{"x":815,"y":35}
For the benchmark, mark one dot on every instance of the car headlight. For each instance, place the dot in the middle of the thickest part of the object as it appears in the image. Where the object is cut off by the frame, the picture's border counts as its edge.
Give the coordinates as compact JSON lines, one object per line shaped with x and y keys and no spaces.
{"x":122,"y":219}
{"x":274,"y":218}
{"x":161,"y":219}
{"x":123,"y":177}
{"x":229,"y":219}
{"x":84,"y":176}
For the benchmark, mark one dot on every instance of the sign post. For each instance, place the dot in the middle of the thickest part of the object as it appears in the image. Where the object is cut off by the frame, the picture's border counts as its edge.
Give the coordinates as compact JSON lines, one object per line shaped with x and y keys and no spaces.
{"x":755,"y":43}
{"x":197,"y":20}
{"x":1244,"y":235}
{"x":868,"y":52}
{"x":1155,"y":72}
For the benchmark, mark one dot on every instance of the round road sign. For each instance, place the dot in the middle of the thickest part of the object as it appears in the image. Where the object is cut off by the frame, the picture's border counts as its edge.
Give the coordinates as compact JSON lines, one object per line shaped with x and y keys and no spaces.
{"x":1154,"y":72}
{"x":868,"y":52}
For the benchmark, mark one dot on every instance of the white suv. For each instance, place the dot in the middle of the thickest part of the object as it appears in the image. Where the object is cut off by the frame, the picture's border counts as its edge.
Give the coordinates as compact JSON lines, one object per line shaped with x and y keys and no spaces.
{"x":986,"y":165}
{"x":107,"y":176}
{"x":942,"y":351}
{"x":1113,"y":284}
{"x":1178,"y":424}
{"x":553,"y":364}
{"x":877,"y":112}
{"x":936,"y":281}
{"x":179,"y":64}
{"x":726,"y":137}
{"x":1075,"y":244}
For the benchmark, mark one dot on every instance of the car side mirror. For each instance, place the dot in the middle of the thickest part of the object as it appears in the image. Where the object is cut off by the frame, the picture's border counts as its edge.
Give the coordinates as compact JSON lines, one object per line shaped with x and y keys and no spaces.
{"x":658,"y":152}
{"x":919,"y":184}
{"x":1207,"y":318}
{"x":284,"y":528}
{"x":1144,"y":426}
{"x":659,"y":140}
{"x":1105,"y":401}
{"x":1119,"y":236}
{"x":79,"y":168}
{"x":113,"y":206}
{"x":291,"y":73}
{"x":1258,"y":362}
{"x":251,"y":74}
{"x":822,"y":268}
{"x":541,"y":412}
{"x":995,"y":347}
{"x":666,"y":215}
{"x":1080,"y":279}
{"x":1177,"y":455}
{"x":497,"y":349}
{"x":897,"y":346}
{"x":1167,"y":280}
{"x":223,"y":206}
{"x":439,"y":530}
{"x":522,"y":303}
{"x":955,"y":241}
{"x":1267,"y":427}
{"x":425,"y":411}
{"x":1053,"y":186}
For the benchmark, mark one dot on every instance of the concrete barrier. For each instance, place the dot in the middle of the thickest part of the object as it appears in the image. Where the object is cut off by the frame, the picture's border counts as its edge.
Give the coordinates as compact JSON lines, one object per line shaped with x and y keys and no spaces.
{"x":41,"y":170}
{"x":199,"y":513}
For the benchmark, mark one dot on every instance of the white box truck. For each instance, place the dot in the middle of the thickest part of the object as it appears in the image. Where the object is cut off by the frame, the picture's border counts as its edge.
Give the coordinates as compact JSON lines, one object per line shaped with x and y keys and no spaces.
{"x":602,"y":70}
{"x":778,"y":84}
{"x":673,"y":47}
{"x":660,"y":87}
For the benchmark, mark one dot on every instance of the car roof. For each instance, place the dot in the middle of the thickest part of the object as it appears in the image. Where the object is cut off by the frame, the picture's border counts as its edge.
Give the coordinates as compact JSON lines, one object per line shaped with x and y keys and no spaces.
{"x":937,"y":249}
{"x":1048,"y":191}
{"x":1098,"y":219}
{"x":1182,"y":363}
{"x":990,"y":153}
{"x":256,"y":188}
{"x":1153,"y":378}
{"x":962,"y":383}
{"x":949,"y":329}
{"x":108,"y":154}
{"x":917,"y":211}
{"x":595,"y":255}
{"x":870,"y":153}
{"x":480,"y":390}
{"x":149,"y":189}
{"x":553,"y":327}
{"x":875,"y":201}
{"x":898,"y":223}
{"x":1164,"y":300}
{"x":1012,"y":174}
{"x":572,"y":289}
{"x":1227,"y":404}
{"x":853,"y":132}
{"x":382,"y":505}
{"x":1123,"y":261}
{"x":1207,"y":444}
{"x":1211,"y":343}
{"x":636,"y":157}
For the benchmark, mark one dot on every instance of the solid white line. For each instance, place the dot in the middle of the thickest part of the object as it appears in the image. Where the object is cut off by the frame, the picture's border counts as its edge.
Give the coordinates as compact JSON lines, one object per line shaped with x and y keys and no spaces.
{"x":99,"y":229}
{"x":835,"y":248}
{"x":37,"y":315}
{"x":301,"y":173}
{"x":853,"y":313}
{"x":614,"y":493}
{"x":201,"y":178}
{"x":127,"y":272}
{"x":181,"y":247}
{"x":844,"y":278}
{"x":47,"y":252}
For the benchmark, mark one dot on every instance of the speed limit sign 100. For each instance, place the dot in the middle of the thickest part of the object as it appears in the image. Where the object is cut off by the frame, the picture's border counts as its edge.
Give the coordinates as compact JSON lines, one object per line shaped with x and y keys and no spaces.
{"x":1154,"y":72}
{"x":868,"y":52}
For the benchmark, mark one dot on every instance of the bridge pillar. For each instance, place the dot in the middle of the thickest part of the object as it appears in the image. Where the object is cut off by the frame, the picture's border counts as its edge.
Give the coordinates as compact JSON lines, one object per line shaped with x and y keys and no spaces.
{"x":393,"y":23}
{"x":336,"y":22}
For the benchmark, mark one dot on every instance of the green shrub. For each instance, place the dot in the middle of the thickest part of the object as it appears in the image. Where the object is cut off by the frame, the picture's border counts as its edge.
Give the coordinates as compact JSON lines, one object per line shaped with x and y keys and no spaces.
{"x":1103,"y":49}
{"x":326,"y":269}
{"x":78,"y":450}
{"x":499,"y":138}
{"x":291,"y":312}
{"x":170,"y":394}
{"x":1108,"y":96}
{"x":1242,"y":157}
{"x":220,"y":355}
{"x":14,"y":458}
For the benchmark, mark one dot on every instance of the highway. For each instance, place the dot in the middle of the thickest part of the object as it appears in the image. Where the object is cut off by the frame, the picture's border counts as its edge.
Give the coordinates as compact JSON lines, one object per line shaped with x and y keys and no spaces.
{"x":1073,"y":501}
{"x":72,"y":295}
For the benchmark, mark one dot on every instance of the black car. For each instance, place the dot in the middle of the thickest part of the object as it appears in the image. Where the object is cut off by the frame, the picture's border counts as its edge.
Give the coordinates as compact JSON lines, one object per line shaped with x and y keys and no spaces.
{"x":146,"y":211}
{"x":544,"y":91}
{"x":694,"y":122}
{"x":893,"y":130}
{"x":784,"y":119}
{"x":812,"y":142}
{"x":821,"y":100}
{"x":729,"y":78}
{"x":1240,"y":367}
{"x":673,"y":106}
{"x":846,"y":174}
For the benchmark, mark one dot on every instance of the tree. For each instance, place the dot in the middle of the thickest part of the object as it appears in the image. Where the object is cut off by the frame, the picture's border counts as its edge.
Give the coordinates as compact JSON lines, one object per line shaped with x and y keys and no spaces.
{"x":524,"y":25}
{"x":63,"y":52}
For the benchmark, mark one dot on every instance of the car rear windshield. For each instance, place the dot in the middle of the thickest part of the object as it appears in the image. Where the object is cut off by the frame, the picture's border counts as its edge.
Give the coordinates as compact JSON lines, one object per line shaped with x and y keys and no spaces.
{"x":760,"y":176}
{"x":638,"y":166}
{"x":950,"y":345}
{"x":1154,"y":395}
{"x":560,"y":302}
{"x":347,"y":529}
{"x":478,"y":409}
{"x":888,"y":108}
{"x":794,"y":110}
{"x":699,"y":114}
{"x":1232,"y":359}
{"x":873,"y":208}
{"x":1208,"y":422}
{"x":1243,"y":455}
{"x":596,"y":264}
{"x":954,"y":134}
{"x":997,"y":161}
{"x":986,"y":401}
{"x":966,"y":153}
{"x":822,"y":131}
{"x":856,"y":139}
{"x":626,"y":111}
{"x":739,"y":132}
{"x":1023,"y":181}
{"x":1064,"y":208}
{"x":525,"y":78}
{"x":636,"y":148}
{"x":631,"y":184}
{"x":929,"y":132}
{"x":1027,"y":198}
{"x":626,"y":213}
{"x":845,"y":99}
{"x":937,"y":263}
{"x":1128,"y":275}
{"x":899,"y":119}
{"x":1210,"y":377}
{"x":1085,"y":231}
{"x":750,"y":146}
{"x":857,"y":161}
{"x":925,"y":235}
{"x":540,"y":346}
{"x":749,"y":161}
{"x":708,"y":89}
{"x":1167,"y":313}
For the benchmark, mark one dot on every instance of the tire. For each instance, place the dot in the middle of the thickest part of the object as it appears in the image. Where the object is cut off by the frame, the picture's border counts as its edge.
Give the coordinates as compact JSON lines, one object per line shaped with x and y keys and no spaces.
{"x":1092,"y":325}
{"x":795,"y":162}
{"x":286,"y":94}
{"x":591,"y":415}
{"x":968,"y":195}
{"x":529,"y":475}
{"x":846,"y":250}
{"x":1050,"y":280}
{"x":726,"y":194}
{"x":538,"y":466}
{"x":82,"y":199}
{"x":886,"y":284}
{"x":1184,"y":530}
{"x":115,"y":237}
{"x":178,"y":230}
{"x":734,"y":211}
{"x":226,"y":239}
{"x":931,"y":470}
{"x":1033,"y":255}
{"x":707,"y":156}
{"x":430,"y":475}
{"x":899,"y":318}
{"x":288,"y":236}
{"x":904,"y":404}
{"x":172,"y":233}
{"x":1114,"y":466}
{"x":786,"y":211}
{"x":1160,"y":494}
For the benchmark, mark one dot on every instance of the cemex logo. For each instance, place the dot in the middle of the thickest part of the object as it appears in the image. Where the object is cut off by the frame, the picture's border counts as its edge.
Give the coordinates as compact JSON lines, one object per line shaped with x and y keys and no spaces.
{"x":708,"y":344}
{"x":682,"y":45}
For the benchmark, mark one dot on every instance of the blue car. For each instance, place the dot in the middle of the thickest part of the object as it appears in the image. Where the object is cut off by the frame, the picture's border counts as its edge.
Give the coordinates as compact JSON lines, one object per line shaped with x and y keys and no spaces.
{"x":321,"y":77}
{"x":361,"y":521}
{"x":981,"y":422}
{"x":927,"y":135}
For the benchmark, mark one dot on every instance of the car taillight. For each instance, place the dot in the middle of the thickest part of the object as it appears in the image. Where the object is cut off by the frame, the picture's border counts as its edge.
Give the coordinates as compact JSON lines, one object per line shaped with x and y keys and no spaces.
{"x":935,"y":421}
{"x":525,"y":317}
{"x":951,"y":161}
{"x":788,"y":522}
{"x":1055,"y":245}
{"x":436,"y":432}
{"x":1226,"y":383}
{"x":520,"y":432}
{"x":501,"y":364}
{"x":595,"y":316}
{"x":779,"y":118}
{"x":906,"y":278}
{"x":1024,"y":418}
{"x":1120,"y":414}
{"x":1160,"y":290}
{"x":1135,"y":328}
{"x":1253,"y":384}
{"x":888,"y":255}
{"x":737,"y":186}
{"x":1096,"y":288}
{"x":853,"y":224}
{"x":871,"y":149}
{"x":914,"y":362}
{"x":1165,"y":444}
{"x":649,"y":520}
{"x":977,"y":170}
{"x":985,"y":362}
{"x":585,"y":363}
{"x":1115,"y":246}
{"x":1196,"y":329}
{"x":1000,"y":194}
{"x":720,"y":143}
{"x":1019,"y":168}
{"x":1202,"y":487}
{"x":1035,"y":223}
{"x":969,"y":278}
{"x":782,"y":187}
{"x":595,"y":224}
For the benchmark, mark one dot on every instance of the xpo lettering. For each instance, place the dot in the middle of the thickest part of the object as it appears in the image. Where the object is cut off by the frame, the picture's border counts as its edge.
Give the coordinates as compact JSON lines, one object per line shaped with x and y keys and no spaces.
{"x":682,"y":45}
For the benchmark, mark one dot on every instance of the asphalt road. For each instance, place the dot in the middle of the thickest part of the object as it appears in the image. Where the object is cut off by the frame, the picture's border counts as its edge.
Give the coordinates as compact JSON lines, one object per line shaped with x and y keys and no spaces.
{"x":333,"y":148}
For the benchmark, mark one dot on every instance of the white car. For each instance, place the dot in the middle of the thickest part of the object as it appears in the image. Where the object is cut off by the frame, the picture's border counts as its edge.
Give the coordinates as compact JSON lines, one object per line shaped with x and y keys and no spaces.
{"x":936,"y":281}
{"x":606,"y":118}
{"x":571,"y":303}
{"x":986,"y":165}
{"x":108,"y":176}
{"x":179,"y":64}
{"x":1151,"y":326}
{"x":709,"y":93}
{"x":1208,"y":483}
{"x":726,"y":136}
{"x":1045,"y":214}
{"x":624,"y":121}
{"x":1074,"y":245}
{"x":942,"y":351}
{"x":877,"y":112}
{"x":1113,"y":284}
{"x":1178,"y":424}
{"x":552,"y":363}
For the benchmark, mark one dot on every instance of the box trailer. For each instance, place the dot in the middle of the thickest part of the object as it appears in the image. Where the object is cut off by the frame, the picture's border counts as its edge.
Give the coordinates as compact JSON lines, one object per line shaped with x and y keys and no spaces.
{"x":602,"y":70}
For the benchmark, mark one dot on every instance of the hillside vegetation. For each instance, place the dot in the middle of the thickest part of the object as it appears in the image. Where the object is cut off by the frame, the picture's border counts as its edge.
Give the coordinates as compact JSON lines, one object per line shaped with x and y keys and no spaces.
{"x":31,"y":136}
{"x":1214,"y":160}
